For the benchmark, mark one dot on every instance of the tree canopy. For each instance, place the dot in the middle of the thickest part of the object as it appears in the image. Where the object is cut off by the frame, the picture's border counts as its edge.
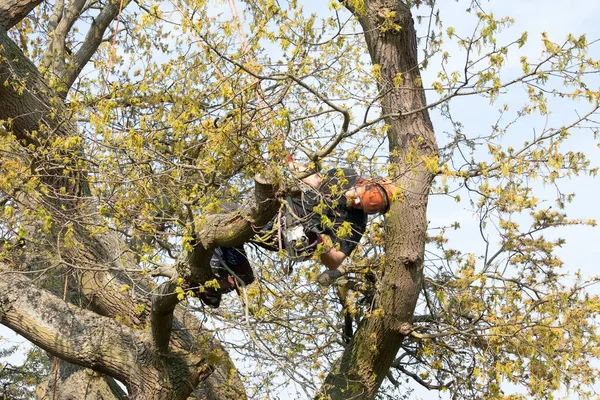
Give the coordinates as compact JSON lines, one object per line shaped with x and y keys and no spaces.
{"x":130,"y":128}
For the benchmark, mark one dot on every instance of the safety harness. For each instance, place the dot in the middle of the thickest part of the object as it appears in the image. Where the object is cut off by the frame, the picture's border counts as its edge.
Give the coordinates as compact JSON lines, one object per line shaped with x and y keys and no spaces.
{"x":300,"y":236}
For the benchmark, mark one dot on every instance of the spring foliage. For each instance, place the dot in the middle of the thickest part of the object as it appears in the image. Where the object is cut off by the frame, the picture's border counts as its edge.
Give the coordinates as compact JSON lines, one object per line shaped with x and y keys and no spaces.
{"x":187,"y":100}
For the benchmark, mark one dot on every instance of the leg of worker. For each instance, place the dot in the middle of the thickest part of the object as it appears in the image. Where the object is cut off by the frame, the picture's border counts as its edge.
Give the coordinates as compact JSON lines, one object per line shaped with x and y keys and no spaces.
{"x":237,"y":260}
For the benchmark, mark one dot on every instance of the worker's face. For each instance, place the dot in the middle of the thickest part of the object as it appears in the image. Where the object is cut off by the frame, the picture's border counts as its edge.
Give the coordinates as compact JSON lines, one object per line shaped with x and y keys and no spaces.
{"x":352,"y":199}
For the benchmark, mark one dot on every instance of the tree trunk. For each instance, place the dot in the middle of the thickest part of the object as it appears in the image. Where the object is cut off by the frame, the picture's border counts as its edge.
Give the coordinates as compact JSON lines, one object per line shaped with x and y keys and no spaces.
{"x":368,"y":357}
{"x":74,"y":382}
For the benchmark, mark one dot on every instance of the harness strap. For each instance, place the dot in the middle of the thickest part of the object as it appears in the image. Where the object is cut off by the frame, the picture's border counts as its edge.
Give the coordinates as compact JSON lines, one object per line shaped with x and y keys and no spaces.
{"x":300,"y":237}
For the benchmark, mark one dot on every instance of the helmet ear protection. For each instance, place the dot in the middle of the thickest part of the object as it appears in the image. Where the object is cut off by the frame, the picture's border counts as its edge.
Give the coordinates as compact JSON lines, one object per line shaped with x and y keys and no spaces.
{"x":374,"y":197}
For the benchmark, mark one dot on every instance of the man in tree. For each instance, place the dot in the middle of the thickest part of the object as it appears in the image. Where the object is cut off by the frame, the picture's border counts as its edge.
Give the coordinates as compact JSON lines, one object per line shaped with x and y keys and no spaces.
{"x":332,"y":216}
{"x":337,"y":211}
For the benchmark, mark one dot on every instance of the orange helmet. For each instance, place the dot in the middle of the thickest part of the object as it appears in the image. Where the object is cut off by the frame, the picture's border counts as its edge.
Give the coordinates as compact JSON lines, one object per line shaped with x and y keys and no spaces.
{"x":375,"y":196}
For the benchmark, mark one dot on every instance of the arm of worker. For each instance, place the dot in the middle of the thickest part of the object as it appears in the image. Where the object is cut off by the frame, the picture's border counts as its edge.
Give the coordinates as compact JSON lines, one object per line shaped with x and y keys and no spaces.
{"x":313,"y":180}
{"x":333,"y":259}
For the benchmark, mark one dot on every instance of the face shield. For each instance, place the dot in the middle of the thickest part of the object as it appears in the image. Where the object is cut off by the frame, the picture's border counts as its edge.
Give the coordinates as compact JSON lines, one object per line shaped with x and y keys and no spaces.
{"x":373,"y":197}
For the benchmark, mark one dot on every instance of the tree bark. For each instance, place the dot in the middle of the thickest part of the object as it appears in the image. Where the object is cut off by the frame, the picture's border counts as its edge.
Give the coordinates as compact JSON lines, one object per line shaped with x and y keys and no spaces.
{"x":75,"y":335}
{"x":27,"y":101}
{"x":84,"y":338}
{"x":74,"y":382}
{"x":13,"y":11}
{"x":367,"y":359}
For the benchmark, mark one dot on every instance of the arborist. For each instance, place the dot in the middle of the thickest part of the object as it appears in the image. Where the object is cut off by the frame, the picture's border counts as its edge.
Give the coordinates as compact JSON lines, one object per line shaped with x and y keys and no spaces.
{"x":332,"y":213}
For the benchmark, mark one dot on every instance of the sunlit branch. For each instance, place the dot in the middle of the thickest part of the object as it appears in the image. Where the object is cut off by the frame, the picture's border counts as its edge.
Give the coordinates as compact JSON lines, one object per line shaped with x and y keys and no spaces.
{"x":101,"y":344}
{"x":62,"y":22}
{"x":225,"y":229}
{"x":93,"y":39}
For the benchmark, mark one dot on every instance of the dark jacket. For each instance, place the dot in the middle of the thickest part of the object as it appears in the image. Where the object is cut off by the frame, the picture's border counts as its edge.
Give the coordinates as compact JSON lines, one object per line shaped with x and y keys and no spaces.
{"x":325,"y":209}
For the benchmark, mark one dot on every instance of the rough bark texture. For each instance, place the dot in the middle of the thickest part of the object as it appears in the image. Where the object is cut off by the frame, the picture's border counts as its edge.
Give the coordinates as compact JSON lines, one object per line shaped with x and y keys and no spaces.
{"x":26,"y":98}
{"x":74,"y":382}
{"x":367,"y":359}
{"x":84,"y":338}
{"x":75,"y":335}
{"x":12,"y":11}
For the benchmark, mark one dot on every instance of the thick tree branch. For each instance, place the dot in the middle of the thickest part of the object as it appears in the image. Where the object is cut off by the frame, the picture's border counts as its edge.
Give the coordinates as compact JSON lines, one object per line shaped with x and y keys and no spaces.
{"x":229,"y":229}
{"x":84,"y":338}
{"x":73,"y":334}
{"x":225,"y":229}
{"x":367,"y":359}
{"x":161,"y":316}
{"x":63,"y":19}
{"x":26,"y":101}
{"x":74,"y":382}
{"x":13,"y":11}
{"x":67,"y":69}
{"x":93,"y":39}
